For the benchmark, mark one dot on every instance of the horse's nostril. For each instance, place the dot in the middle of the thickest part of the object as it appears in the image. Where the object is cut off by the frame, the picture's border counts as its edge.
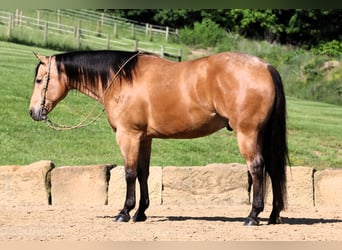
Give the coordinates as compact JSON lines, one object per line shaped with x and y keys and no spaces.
{"x":30,"y":112}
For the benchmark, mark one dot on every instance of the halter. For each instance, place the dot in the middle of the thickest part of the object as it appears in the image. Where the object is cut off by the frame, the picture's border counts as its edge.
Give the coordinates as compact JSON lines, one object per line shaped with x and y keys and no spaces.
{"x":42,"y":104}
{"x":83,"y":122}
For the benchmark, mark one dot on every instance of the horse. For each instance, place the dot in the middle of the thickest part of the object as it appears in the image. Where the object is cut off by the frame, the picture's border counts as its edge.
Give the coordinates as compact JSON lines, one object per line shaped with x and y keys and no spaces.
{"x":146,"y":96}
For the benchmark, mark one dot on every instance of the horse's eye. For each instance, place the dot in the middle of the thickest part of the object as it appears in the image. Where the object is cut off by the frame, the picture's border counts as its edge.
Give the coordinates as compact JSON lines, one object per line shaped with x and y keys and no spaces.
{"x":38,"y":81}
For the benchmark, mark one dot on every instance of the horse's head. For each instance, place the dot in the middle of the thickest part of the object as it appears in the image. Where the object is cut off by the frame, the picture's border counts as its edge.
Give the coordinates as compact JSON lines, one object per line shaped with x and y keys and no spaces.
{"x":48,"y":90}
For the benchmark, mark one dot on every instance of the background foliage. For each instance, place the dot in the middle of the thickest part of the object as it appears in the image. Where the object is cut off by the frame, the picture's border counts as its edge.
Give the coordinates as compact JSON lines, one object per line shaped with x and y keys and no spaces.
{"x":304,"y":27}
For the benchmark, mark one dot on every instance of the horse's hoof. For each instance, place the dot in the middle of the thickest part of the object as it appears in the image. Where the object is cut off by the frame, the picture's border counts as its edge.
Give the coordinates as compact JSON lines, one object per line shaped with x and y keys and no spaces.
{"x":274,"y":220}
{"x":251,"y":222}
{"x":122,"y":218}
{"x":139,"y":217}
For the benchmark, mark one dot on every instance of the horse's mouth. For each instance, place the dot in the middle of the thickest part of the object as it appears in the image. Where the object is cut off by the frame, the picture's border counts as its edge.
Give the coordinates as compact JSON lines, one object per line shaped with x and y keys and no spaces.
{"x":39,"y":115}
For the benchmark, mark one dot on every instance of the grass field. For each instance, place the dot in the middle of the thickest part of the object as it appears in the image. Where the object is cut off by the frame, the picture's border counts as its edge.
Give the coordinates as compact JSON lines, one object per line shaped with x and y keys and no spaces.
{"x":315,"y":131}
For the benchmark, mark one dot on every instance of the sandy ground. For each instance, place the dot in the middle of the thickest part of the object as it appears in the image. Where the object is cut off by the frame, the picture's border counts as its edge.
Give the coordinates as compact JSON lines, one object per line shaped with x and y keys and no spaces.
{"x":166,"y":223}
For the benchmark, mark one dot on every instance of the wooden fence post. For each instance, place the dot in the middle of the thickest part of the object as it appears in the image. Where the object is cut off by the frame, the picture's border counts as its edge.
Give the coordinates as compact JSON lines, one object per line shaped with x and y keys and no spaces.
{"x":115,"y":30}
{"x":150,"y":32}
{"x":162,"y":50}
{"x":20,"y":19}
{"x":98,"y":27}
{"x":179,"y":54}
{"x":59,"y":20}
{"x":9,"y":29}
{"x":167,"y":34}
{"x":133,"y":31}
{"x":102,"y":19}
{"x":146,"y":29}
{"x":46,"y":33}
{"x":38,"y":18}
{"x":136,"y":45}
{"x":17,"y":16}
{"x":78,"y":38}
{"x":108,"y":41}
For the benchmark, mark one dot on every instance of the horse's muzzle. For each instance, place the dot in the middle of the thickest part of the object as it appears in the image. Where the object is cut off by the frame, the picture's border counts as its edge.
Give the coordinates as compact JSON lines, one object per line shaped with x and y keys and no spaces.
{"x":38,"y":114}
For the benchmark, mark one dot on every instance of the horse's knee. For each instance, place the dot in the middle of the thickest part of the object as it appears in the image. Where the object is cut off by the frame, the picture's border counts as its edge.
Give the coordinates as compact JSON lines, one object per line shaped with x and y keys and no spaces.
{"x":130,"y":174}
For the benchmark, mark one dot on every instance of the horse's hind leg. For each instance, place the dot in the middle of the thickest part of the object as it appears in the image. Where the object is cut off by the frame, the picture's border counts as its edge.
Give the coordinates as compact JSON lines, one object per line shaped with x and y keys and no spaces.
{"x":278,"y":204}
{"x":248,"y":145}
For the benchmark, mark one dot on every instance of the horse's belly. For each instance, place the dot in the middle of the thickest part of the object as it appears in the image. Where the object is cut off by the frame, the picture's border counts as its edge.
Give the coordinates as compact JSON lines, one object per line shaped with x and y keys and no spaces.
{"x":186,"y":128}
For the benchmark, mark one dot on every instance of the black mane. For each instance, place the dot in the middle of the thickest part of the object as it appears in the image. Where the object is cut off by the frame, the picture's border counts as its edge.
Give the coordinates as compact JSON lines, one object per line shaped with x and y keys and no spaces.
{"x":88,"y":67}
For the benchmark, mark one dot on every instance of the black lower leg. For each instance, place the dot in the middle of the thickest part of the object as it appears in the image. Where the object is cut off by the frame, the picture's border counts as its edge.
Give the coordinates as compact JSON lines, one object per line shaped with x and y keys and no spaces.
{"x":124,"y":216}
{"x":257,"y":173}
{"x":144,"y":197}
{"x":278,"y":204}
{"x":250,"y":183}
{"x":143,"y":173}
{"x":140,"y":214}
{"x":144,"y":201}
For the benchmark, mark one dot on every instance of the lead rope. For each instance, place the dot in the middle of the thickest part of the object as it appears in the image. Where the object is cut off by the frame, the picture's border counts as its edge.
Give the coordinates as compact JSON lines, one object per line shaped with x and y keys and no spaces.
{"x":83,"y":122}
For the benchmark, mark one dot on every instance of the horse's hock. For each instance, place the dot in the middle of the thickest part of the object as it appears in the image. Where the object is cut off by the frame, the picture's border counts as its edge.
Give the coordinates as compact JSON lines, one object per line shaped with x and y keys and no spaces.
{"x":42,"y":183}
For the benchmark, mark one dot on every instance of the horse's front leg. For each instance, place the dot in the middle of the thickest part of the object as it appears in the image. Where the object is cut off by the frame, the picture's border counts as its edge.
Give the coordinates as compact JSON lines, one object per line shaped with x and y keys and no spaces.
{"x":129,"y":145}
{"x":143,"y":173}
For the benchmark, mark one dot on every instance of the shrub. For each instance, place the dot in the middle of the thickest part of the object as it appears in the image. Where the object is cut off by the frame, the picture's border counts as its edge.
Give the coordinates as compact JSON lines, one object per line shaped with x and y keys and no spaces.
{"x":331,"y":48}
{"x":204,"y":34}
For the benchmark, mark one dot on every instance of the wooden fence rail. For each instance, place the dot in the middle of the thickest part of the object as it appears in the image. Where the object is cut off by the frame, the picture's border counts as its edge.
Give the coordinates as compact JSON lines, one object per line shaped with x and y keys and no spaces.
{"x":103,"y":19}
{"x":19,"y":26}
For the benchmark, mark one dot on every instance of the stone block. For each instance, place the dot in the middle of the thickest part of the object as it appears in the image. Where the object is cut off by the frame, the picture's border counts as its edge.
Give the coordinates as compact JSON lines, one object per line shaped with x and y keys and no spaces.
{"x":299,"y":187}
{"x":117,"y":187}
{"x":214,"y":184}
{"x":328,"y":187}
{"x":27,"y":185}
{"x":80,"y":185}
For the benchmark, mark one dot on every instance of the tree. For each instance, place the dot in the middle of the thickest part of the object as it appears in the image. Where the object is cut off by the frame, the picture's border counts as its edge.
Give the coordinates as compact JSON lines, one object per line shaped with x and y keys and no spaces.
{"x":303,"y":27}
{"x":311,"y":27}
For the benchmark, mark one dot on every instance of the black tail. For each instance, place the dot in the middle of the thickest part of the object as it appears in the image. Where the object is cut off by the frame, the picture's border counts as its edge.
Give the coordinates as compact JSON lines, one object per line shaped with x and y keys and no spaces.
{"x":275,"y":150}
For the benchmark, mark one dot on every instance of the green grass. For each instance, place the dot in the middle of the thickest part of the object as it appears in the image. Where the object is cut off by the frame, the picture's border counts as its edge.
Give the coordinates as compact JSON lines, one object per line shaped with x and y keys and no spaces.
{"x":315,"y":135}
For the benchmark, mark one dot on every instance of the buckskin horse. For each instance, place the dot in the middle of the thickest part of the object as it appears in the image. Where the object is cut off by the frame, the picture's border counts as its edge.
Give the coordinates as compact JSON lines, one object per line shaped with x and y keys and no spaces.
{"x":145,"y":97}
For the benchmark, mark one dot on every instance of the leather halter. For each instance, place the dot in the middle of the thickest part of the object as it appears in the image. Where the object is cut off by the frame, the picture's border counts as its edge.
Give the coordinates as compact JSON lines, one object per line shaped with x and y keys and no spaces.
{"x":42,"y":104}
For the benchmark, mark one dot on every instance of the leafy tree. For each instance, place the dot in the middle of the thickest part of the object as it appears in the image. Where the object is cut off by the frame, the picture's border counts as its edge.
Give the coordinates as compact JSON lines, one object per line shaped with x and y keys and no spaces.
{"x":259,"y":24}
{"x":310,"y":27}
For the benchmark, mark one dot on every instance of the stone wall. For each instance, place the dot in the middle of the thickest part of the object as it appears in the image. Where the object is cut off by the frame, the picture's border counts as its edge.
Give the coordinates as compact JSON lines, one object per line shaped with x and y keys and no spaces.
{"x":42,"y":183}
{"x":25,"y":185}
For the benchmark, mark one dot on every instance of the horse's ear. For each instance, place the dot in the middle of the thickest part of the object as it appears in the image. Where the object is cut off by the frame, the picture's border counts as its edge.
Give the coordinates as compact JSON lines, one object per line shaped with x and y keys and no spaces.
{"x":41,"y":58}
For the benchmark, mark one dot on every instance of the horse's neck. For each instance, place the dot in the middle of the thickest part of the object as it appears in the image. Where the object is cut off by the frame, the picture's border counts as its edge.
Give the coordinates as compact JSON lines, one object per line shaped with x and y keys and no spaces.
{"x":95,"y":93}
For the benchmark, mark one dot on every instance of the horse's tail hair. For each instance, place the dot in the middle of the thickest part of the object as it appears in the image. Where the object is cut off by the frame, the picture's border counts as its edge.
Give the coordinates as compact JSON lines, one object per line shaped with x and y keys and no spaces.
{"x":275,"y":149}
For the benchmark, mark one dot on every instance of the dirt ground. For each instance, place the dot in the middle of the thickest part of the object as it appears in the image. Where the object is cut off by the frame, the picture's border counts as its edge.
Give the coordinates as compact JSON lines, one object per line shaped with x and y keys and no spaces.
{"x":166,"y":223}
